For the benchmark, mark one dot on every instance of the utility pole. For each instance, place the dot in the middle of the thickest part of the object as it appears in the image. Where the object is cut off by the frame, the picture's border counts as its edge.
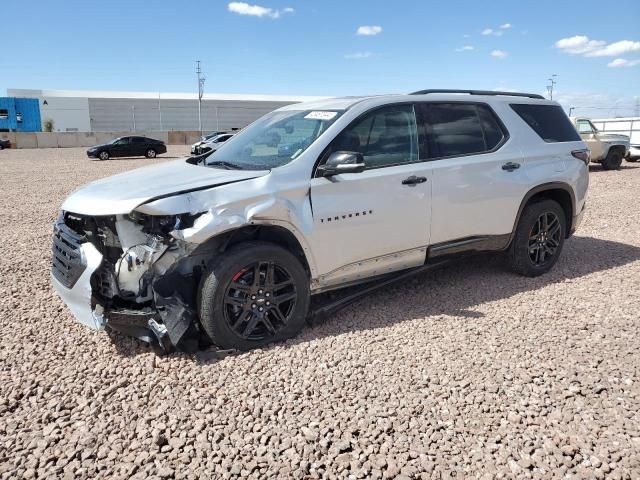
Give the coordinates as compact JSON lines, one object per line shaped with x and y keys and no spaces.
{"x":159,"y":111}
{"x":551,"y":87}
{"x":571,"y":109}
{"x":201,"y":80}
{"x":637,"y":107}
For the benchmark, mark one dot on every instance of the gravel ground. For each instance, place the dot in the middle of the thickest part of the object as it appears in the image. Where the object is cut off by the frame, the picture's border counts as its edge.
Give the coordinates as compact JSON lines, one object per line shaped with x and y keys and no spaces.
{"x":468,"y":372}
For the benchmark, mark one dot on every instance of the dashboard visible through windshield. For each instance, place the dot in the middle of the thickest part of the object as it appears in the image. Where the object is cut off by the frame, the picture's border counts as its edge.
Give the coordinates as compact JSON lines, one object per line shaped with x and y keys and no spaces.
{"x":273,"y":140}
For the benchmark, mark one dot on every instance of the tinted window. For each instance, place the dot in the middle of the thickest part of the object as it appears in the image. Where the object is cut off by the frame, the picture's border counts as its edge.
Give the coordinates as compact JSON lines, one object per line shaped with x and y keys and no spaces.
{"x":493,"y":133}
{"x":386,"y":136}
{"x":455,"y":129}
{"x":138,"y":140}
{"x":548,"y":121}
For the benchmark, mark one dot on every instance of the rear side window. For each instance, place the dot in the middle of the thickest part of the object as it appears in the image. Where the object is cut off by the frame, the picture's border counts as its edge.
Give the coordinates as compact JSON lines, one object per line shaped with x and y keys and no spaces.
{"x":456,"y":129}
{"x":139,"y":140}
{"x":548,"y":121}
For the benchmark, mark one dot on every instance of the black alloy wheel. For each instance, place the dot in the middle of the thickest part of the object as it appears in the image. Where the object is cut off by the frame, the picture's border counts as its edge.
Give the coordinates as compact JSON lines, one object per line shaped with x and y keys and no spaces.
{"x":539,"y":237}
{"x":544,"y":238}
{"x":260,"y":300}
{"x":253,"y":294}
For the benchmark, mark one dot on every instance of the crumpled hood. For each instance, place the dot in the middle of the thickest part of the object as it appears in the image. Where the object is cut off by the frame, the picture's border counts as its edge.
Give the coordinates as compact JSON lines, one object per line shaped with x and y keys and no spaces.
{"x":122,"y":193}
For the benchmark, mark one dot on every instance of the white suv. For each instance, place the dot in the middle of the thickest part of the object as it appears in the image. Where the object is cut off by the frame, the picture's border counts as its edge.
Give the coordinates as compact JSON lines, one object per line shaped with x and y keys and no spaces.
{"x":313,"y":197}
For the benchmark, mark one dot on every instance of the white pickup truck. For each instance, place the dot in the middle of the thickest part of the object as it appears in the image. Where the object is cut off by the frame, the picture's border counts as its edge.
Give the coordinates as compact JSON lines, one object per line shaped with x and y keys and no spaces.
{"x":606,"y":149}
{"x":623,"y":126}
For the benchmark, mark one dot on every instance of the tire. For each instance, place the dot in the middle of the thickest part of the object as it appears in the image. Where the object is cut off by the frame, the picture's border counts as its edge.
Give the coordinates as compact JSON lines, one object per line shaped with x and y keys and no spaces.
{"x":103,"y":155}
{"x":613,"y":160}
{"x":239,"y":313}
{"x":529,"y":251}
{"x":632,"y":159}
{"x":150,"y":153}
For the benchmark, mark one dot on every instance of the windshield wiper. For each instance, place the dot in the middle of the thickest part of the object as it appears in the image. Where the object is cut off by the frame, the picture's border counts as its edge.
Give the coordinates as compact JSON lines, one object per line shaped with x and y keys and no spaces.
{"x":222,"y":163}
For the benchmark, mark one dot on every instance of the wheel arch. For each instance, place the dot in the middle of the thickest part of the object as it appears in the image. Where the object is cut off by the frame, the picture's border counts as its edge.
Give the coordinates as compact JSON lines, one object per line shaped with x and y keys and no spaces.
{"x":560,"y":192}
{"x":271,"y":233}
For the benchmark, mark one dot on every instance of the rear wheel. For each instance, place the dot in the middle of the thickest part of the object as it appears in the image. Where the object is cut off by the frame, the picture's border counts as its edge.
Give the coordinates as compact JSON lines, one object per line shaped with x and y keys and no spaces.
{"x":632,"y":159}
{"x":613,"y":160}
{"x":539,"y":239}
{"x":254,"y":294}
{"x":150,"y":153}
{"x":103,"y":155}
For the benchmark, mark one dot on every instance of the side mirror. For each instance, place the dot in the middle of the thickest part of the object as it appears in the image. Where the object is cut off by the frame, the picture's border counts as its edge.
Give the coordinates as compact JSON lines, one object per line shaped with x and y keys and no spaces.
{"x":342,"y":162}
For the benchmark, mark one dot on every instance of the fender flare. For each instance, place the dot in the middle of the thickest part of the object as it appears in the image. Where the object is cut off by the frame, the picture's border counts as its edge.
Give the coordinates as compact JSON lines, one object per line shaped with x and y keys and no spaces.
{"x":545,"y":187}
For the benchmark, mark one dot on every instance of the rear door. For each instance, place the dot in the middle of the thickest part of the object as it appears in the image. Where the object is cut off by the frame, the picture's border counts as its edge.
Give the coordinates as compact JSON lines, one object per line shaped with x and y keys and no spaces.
{"x":376,"y":221}
{"x":139,"y":146}
{"x":478,"y":181}
{"x":589,"y":134}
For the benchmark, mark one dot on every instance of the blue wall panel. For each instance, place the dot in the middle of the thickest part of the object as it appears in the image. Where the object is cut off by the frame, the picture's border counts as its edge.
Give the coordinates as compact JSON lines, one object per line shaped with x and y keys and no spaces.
{"x":20,"y":114}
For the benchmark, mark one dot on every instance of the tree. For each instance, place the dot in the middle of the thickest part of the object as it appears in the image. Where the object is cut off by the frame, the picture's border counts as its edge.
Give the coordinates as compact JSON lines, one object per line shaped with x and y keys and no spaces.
{"x":48,"y":125}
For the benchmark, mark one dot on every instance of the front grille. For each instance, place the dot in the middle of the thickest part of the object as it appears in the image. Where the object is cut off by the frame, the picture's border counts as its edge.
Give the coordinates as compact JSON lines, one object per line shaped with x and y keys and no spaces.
{"x":67,"y":261}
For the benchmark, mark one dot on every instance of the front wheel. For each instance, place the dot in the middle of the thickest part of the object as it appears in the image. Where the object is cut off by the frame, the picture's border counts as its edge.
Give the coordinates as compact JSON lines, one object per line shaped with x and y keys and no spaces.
{"x":151,"y":153}
{"x":104,"y":155}
{"x":539,"y":239}
{"x":253,"y":294}
{"x":613,"y":160}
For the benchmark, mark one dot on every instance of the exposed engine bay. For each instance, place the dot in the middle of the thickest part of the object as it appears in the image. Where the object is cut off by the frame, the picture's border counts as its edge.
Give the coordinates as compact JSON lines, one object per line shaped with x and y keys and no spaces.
{"x":145,"y":281}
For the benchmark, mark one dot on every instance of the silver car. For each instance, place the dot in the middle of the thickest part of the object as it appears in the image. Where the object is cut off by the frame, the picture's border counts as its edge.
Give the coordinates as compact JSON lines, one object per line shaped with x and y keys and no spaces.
{"x":313,"y":197}
{"x":210,"y":142}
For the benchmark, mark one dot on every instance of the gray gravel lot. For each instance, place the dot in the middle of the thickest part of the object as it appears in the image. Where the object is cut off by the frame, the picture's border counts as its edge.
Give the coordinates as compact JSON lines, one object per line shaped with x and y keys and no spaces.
{"x":468,"y":372}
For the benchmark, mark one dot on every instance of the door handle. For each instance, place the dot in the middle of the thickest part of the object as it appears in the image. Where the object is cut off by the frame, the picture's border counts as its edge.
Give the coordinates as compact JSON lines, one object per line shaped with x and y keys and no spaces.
{"x":412,"y":181}
{"x":510,"y":166}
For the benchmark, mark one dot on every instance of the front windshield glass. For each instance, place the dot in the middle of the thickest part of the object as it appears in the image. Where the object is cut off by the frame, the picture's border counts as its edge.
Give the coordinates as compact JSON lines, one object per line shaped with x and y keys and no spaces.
{"x":273,"y":140}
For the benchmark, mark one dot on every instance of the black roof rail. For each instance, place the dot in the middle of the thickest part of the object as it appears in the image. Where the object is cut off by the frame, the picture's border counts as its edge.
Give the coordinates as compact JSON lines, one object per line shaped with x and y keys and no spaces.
{"x":479,"y":92}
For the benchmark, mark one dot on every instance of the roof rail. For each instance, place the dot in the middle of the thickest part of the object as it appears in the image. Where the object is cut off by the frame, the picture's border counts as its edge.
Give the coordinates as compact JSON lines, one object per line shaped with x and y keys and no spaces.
{"x":479,"y":92}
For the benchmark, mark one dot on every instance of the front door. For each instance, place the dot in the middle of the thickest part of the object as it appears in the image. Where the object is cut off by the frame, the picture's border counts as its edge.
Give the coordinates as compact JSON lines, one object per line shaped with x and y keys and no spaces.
{"x":589,"y":134}
{"x":376,"y":221}
{"x":121,"y":147}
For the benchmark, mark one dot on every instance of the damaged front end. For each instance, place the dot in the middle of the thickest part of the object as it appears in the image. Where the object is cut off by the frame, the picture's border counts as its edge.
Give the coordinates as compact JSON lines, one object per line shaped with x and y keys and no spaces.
{"x":129,"y":273}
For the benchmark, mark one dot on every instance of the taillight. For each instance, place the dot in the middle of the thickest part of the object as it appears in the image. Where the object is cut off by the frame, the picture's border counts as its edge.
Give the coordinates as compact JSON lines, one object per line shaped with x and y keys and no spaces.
{"x":584,"y":155}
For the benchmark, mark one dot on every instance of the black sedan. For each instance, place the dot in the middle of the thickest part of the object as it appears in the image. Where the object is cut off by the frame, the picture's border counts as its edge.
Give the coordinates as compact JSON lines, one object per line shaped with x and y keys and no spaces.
{"x":128,"y":147}
{"x":4,"y":143}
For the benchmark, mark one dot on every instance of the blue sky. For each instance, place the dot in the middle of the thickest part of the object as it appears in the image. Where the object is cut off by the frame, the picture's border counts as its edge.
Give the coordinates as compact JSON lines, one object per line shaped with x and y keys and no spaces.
{"x":316,"y":48}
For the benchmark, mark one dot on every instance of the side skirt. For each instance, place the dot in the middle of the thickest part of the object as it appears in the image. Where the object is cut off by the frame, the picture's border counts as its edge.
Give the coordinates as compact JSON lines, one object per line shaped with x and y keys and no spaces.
{"x":489,"y":243}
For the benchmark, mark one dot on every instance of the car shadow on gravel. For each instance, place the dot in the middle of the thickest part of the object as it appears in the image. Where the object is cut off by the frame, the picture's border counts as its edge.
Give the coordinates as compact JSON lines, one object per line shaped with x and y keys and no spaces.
{"x":159,"y":157}
{"x":453,"y":289}
{"x":597,"y":168}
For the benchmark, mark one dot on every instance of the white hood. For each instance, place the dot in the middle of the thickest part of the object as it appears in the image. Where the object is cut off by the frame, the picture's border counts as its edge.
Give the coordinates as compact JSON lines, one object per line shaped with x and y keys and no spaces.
{"x":122,"y":193}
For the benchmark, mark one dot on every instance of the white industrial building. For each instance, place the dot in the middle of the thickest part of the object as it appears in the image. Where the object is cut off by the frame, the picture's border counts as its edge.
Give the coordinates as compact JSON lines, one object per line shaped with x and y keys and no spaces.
{"x":97,"y":111}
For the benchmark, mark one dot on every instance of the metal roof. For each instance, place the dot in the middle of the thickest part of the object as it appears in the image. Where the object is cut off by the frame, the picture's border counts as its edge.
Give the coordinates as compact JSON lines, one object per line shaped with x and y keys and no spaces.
{"x":19,"y":92}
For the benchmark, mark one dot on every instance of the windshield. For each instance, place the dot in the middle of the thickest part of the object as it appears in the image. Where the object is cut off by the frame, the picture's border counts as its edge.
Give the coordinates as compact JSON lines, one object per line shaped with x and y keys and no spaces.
{"x":273,"y":140}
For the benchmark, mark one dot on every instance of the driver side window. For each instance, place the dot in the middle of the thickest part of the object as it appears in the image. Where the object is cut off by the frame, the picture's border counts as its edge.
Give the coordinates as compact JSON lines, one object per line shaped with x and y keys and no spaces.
{"x":584,"y":126}
{"x":385,"y":137}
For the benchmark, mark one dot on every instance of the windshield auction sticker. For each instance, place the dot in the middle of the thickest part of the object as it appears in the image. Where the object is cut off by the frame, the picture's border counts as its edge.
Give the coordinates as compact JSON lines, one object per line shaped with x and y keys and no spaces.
{"x":321,"y":115}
